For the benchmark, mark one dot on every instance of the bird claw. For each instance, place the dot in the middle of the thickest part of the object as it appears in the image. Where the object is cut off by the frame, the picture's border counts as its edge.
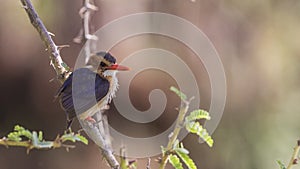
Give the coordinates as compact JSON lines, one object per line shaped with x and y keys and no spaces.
{"x":90,"y":119}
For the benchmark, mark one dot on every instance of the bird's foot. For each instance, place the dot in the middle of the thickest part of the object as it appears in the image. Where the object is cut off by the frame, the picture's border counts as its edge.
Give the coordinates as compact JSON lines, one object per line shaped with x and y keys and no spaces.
{"x":90,"y":119}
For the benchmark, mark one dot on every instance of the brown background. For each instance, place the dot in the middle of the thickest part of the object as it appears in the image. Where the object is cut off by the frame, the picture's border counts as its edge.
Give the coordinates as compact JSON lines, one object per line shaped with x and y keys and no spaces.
{"x":258,"y":42}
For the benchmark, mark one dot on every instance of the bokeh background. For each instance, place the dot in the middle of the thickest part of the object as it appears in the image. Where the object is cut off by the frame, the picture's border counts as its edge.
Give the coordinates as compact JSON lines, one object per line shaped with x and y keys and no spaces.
{"x":258,"y":42}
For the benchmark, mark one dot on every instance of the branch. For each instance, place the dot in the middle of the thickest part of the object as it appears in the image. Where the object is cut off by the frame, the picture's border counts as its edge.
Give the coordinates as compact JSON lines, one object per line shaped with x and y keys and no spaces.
{"x":63,"y":71}
{"x":22,"y":137}
{"x":173,"y":136}
{"x":295,"y":156}
{"x":61,"y":68}
{"x":94,"y":133}
{"x":85,"y":14}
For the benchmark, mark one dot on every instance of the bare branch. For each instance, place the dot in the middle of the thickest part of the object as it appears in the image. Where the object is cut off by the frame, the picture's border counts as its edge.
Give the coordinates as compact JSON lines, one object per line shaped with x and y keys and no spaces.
{"x":295,"y":157}
{"x":61,"y":69}
{"x":95,"y":134}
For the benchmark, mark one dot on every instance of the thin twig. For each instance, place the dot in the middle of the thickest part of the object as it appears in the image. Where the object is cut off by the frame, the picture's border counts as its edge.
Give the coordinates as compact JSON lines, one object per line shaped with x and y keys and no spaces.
{"x":94,"y":133}
{"x":295,"y":156}
{"x":85,"y":14}
{"x":182,"y":112}
{"x":148,"y":164}
{"x":61,"y":69}
{"x":44,"y":145}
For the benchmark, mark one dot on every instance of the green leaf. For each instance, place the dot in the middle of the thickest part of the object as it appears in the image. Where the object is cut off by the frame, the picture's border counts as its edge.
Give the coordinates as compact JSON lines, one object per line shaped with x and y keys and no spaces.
{"x":182,"y":150}
{"x":196,"y":128}
{"x":74,"y":138}
{"x":281,"y":165}
{"x":187,"y":160}
{"x":26,"y":133}
{"x":82,"y":139}
{"x":197,"y":114}
{"x":13,"y":136}
{"x":18,"y":128}
{"x":175,"y":161}
{"x":40,"y":136}
{"x":181,"y":95}
{"x":18,"y":132}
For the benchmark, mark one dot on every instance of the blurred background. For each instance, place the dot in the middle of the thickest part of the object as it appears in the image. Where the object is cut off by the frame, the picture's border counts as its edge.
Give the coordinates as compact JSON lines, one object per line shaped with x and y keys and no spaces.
{"x":258,"y":42}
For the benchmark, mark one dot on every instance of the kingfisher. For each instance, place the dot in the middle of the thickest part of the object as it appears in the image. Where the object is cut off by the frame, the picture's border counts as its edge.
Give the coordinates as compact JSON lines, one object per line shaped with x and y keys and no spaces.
{"x":87,"y":91}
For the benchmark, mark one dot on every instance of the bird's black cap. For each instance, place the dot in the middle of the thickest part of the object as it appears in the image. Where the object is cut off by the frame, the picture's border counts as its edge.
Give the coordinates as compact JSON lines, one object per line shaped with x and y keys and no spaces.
{"x":108,"y":59}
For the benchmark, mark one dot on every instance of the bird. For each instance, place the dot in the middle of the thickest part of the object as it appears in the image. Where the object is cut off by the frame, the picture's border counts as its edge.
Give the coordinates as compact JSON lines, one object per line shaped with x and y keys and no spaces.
{"x":85,"y":91}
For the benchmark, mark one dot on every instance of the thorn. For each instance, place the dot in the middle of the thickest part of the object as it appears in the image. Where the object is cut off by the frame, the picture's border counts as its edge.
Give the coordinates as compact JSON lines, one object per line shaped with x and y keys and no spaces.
{"x":159,"y":160}
{"x":77,"y":39}
{"x":50,"y":33}
{"x":24,"y":6}
{"x":295,"y":161}
{"x":51,"y":80}
{"x":192,"y":98}
{"x":51,"y":63}
{"x":62,"y":46}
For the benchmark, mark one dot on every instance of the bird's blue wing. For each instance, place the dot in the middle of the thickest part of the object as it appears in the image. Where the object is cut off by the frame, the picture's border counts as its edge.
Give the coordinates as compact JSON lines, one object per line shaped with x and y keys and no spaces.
{"x":84,"y":88}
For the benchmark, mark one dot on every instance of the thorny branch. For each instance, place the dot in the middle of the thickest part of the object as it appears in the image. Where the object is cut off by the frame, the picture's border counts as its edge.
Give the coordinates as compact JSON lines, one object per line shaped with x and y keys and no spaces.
{"x":61,"y":69}
{"x":182,"y":112}
{"x":57,"y":143}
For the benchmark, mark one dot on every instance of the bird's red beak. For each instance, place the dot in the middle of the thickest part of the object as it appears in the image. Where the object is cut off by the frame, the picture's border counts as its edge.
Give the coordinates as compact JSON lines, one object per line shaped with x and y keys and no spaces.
{"x":117,"y":67}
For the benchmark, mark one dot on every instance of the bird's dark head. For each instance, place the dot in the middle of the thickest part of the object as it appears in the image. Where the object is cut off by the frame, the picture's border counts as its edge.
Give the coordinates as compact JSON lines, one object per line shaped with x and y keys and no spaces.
{"x":107,"y":63}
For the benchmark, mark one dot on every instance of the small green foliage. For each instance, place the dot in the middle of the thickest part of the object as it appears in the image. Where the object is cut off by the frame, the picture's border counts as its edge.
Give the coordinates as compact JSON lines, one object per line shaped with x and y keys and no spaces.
{"x":74,"y":137}
{"x":281,"y":165}
{"x":18,"y":133}
{"x":175,"y":161}
{"x":123,"y":163}
{"x":180,"y":148}
{"x":196,"y":128}
{"x":175,"y":151}
{"x":181,"y":95}
{"x":25,"y":138}
{"x":40,"y":136}
{"x":197,"y":115}
{"x":187,"y":160}
{"x":82,"y":139}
